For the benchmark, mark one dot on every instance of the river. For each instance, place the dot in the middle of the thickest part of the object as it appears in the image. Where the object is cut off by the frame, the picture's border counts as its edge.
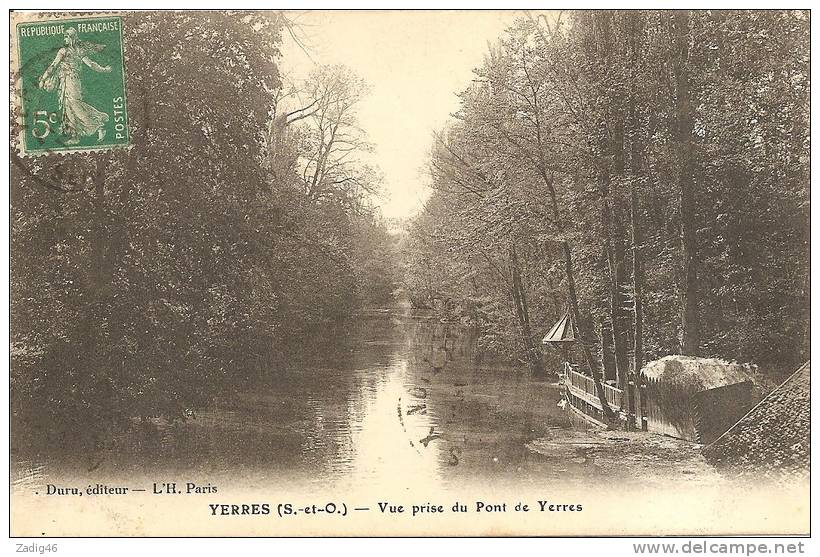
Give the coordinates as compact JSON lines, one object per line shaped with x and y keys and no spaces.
{"x":404,"y":403}
{"x":399,"y":411}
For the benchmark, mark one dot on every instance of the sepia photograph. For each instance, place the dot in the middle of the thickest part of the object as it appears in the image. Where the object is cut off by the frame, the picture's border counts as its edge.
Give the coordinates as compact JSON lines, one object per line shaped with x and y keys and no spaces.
{"x":423,"y":273}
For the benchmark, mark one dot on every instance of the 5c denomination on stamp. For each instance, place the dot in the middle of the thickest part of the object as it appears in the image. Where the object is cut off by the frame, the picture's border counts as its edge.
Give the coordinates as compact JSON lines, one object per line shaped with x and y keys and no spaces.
{"x":70,"y":84}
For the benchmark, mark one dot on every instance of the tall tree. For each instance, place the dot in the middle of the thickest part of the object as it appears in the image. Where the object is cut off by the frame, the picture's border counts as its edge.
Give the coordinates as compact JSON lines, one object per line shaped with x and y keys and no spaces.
{"x":680,"y":162}
{"x":685,"y":158}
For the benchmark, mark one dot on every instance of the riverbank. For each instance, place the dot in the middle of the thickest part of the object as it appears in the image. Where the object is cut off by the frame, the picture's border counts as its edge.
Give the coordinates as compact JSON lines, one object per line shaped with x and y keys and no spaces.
{"x":629,"y":457}
{"x":403,"y":401}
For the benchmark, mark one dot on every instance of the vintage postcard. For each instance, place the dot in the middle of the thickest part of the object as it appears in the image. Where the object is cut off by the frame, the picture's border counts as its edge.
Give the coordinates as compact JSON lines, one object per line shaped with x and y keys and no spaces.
{"x":409,"y":273}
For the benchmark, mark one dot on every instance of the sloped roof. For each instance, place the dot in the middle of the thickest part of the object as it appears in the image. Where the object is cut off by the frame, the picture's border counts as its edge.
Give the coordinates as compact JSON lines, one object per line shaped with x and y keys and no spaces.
{"x":773,"y":439}
{"x":562,"y":331}
{"x":701,"y":373}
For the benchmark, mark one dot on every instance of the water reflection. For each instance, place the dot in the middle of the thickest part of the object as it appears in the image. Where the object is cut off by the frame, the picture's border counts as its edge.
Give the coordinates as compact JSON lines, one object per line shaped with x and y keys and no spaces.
{"x":402,"y":403}
{"x":392,"y":442}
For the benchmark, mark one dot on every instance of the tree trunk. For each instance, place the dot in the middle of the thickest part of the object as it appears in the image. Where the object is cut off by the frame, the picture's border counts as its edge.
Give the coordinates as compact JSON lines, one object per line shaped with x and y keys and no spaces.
{"x":615,"y":260}
{"x":636,"y":162}
{"x":522,"y":311}
{"x":637,"y":288}
{"x":690,"y":324}
{"x":608,"y":351}
{"x":611,"y":146}
{"x":609,"y":415}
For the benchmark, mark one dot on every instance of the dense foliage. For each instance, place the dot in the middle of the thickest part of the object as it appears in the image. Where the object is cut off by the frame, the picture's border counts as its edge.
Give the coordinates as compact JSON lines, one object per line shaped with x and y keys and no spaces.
{"x":682,"y":137}
{"x":145,"y":280}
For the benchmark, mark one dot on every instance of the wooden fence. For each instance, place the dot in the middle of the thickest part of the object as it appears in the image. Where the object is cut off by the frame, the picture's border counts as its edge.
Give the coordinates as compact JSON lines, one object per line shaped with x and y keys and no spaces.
{"x":583,"y":387}
{"x":583,"y":396}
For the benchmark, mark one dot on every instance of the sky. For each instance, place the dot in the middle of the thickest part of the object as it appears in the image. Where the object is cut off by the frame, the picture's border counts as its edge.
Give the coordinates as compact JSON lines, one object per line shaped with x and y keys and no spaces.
{"x":415,"y":62}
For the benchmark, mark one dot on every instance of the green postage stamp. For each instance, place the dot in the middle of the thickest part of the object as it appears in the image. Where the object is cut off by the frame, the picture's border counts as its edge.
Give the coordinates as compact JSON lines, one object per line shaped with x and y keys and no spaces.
{"x":70,"y":79}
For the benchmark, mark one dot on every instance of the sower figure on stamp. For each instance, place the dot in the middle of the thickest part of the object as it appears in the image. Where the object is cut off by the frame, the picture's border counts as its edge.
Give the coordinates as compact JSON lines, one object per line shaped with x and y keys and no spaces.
{"x":78,"y":118}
